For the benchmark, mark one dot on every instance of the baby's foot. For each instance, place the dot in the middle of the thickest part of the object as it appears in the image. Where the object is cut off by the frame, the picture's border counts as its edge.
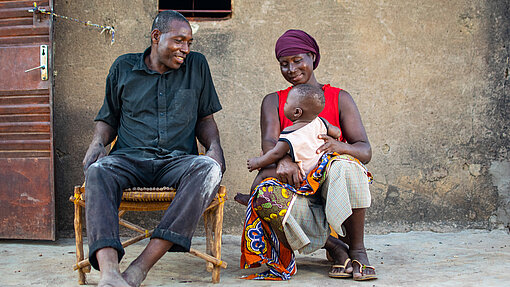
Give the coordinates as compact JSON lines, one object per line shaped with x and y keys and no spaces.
{"x":242,"y":198}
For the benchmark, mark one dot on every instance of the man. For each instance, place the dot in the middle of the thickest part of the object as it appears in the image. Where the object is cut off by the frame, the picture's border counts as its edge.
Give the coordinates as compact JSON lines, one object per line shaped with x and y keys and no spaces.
{"x":156,"y":103}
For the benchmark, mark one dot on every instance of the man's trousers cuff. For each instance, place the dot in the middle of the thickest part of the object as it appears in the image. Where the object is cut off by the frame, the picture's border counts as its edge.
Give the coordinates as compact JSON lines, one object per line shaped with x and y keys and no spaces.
{"x":180,"y":243}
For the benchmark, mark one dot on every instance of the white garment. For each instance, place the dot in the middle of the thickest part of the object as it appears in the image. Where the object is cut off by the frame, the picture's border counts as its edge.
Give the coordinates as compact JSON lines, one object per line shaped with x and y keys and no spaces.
{"x":304,"y":143}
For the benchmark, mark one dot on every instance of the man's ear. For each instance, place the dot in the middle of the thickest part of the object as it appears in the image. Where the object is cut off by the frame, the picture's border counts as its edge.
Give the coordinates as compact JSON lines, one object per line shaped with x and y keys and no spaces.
{"x":155,"y":36}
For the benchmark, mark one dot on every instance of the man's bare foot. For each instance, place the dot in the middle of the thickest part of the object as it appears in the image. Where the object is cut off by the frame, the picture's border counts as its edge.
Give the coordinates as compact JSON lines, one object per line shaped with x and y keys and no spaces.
{"x":134,"y":275}
{"x":242,"y":198}
{"x":112,"y":279}
{"x":361,"y":266}
{"x":337,"y":252}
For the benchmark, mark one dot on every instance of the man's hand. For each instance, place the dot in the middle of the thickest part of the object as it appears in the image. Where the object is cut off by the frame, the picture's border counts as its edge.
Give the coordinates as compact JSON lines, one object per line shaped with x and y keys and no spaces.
{"x":218,"y":157}
{"x":103,"y":135}
{"x":289,"y":172}
{"x":96,"y":151}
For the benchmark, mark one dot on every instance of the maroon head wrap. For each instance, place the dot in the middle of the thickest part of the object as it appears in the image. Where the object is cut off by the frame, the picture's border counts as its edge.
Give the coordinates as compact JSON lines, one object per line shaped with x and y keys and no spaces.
{"x":295,"y":42}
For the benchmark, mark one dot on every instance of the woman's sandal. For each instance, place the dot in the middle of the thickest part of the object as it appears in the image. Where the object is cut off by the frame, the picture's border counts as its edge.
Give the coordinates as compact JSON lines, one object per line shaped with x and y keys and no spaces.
{"x":342,"y":274}
{"x":362,"y":267}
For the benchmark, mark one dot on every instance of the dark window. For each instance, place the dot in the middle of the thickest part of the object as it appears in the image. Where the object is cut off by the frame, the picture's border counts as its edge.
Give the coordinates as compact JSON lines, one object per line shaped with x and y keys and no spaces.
{"x":199,"y":9}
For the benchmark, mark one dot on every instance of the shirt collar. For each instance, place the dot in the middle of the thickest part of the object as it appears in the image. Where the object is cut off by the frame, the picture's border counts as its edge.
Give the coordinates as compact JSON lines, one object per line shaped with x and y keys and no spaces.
{"x":140,"y":64}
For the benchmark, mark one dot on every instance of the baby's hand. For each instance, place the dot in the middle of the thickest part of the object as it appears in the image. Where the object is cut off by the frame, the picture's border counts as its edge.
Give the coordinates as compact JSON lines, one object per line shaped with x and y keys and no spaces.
{"x":252,"y":164}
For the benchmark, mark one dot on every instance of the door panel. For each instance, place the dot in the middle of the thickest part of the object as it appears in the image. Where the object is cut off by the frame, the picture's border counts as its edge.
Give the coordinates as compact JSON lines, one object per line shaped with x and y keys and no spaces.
{"x":26,"y":124}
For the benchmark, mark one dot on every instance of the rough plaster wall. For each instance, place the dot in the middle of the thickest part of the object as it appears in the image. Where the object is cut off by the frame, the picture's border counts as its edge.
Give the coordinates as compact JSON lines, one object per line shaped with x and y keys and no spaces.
{"x":429,"y":77}
{"x":498,"y":124}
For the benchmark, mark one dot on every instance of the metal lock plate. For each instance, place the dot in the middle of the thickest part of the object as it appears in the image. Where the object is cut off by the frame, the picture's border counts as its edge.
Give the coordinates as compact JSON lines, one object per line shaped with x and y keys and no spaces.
{"x":43,"y":63}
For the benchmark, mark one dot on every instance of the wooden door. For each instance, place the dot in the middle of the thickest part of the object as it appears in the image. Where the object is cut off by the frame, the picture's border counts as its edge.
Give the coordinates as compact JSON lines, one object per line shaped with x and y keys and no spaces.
{"x":27,"y":205}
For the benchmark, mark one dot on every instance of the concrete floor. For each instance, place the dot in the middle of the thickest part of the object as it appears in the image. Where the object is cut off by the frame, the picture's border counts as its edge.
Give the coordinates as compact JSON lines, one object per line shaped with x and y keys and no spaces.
{"x":467,"y":258}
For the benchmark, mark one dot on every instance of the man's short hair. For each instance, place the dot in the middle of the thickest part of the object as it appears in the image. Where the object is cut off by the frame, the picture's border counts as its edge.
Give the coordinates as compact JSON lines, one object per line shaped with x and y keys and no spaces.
{"x":164,"y":19}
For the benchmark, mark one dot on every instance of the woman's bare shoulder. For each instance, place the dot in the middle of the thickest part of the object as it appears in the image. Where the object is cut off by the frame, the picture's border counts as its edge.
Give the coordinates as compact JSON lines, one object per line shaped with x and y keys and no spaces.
{"x":270,"y":101}
{"x":271,"y":97}
{"x":343,"y":94}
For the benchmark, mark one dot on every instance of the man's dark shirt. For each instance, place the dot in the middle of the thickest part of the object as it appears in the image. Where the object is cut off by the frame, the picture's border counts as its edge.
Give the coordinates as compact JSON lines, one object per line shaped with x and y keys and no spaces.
{"x":155,"y":114}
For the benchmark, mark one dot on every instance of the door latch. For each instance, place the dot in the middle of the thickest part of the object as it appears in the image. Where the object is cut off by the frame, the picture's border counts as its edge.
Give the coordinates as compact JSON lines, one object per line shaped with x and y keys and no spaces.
{"x":43,"y":64}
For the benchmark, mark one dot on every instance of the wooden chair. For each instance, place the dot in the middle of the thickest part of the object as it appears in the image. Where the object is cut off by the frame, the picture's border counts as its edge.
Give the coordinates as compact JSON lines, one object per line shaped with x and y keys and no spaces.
{"x":153,"y":199}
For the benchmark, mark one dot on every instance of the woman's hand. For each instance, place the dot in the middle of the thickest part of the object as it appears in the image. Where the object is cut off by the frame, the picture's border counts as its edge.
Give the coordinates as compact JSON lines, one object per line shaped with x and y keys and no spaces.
{"x":289,"y":172}
{"x":360,"y":150}
{"x":331,"y":145}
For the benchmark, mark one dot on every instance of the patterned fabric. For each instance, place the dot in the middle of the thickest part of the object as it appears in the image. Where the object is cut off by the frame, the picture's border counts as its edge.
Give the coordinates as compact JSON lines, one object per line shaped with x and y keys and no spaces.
{"x":314,"y":178}
{"x":346,"y":187}
{"x":260,"y":243}
{"x":265,"y":239}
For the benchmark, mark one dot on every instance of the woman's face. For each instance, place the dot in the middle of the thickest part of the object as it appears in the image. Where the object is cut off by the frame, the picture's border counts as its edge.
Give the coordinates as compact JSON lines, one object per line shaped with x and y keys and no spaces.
{"x":297,"y":69}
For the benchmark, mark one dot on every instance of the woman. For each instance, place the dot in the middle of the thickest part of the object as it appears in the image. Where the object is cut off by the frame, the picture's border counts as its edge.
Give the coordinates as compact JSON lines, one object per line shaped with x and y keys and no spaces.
{"x":343,"y":196}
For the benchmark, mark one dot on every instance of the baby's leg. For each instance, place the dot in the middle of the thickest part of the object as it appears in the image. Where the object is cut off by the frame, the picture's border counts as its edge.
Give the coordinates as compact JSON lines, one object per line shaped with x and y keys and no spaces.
{"x":263,"y":174}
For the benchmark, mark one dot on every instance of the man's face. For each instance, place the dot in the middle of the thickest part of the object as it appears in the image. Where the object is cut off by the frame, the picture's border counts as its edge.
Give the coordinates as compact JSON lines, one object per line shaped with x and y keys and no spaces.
{"x":173,"y":46}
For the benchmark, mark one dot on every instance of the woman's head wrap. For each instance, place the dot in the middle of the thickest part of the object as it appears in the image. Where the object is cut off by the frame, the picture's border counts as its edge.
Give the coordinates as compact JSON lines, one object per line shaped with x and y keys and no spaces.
{"x":295,"y":42}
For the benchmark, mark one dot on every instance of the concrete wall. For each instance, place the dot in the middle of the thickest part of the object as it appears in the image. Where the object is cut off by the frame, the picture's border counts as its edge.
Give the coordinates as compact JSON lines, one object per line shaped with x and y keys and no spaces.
{"x":429,"y":77}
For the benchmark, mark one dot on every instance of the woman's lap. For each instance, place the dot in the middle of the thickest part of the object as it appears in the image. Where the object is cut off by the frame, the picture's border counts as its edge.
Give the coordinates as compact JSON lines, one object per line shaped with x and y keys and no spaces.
{"x":307,"y":226}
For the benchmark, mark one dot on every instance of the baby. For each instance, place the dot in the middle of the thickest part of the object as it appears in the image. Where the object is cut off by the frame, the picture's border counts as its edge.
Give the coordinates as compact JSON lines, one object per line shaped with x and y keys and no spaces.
{"x":301,"y":139}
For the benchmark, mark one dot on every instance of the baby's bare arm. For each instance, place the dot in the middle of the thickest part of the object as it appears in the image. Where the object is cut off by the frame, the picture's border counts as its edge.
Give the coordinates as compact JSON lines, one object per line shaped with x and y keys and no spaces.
{"x":272,"y":156}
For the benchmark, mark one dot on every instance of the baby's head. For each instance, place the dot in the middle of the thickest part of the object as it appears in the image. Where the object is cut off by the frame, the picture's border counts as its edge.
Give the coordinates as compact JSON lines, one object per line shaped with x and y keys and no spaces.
{"x":304,"y":102}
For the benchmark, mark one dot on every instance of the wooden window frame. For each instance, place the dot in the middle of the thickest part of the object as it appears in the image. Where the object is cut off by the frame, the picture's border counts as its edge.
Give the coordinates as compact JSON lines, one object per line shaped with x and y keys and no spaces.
{"x":196,"y":14}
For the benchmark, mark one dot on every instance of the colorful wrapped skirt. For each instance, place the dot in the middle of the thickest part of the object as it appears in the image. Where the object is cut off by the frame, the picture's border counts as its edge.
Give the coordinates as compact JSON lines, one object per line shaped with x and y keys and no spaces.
{"x":280,"y":219}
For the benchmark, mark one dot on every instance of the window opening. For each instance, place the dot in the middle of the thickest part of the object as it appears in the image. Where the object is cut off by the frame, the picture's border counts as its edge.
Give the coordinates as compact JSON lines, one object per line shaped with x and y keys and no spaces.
{"x":199,"y":9}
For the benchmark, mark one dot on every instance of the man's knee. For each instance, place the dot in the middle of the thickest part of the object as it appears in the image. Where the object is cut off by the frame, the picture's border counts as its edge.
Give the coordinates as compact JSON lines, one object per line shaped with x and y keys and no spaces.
{"x":207,"y":169}
{"x":97,"y":178}
{"x":93,"y":172}
{"x":102,"y":168}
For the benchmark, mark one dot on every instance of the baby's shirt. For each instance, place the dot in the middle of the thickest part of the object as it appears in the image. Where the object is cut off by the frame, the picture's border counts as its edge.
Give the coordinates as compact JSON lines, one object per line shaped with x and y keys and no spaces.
{"x":304,"y":143}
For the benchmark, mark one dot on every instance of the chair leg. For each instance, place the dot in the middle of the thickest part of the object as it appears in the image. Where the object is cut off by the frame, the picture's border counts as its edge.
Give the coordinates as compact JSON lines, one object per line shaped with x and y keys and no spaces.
{"x":78,"y":233}
{"x":217,"y":230}
{"x":208,"y":221}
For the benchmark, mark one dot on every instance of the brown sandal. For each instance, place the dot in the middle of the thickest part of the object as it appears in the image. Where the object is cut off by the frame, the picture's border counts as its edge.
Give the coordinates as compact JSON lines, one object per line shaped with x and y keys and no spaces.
{"x":362,"y":267}
{"x":342,"y":274}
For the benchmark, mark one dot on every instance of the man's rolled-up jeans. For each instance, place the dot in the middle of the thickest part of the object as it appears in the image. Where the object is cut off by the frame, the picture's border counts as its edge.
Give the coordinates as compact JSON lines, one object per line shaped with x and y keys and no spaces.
{"x":196,"y":178}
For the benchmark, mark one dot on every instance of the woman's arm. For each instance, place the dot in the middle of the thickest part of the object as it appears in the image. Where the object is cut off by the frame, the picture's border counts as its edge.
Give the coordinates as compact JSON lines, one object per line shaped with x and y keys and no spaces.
{"x":269,"y":122}
{"x":353,"y":131}
{"x":286,"y":170}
